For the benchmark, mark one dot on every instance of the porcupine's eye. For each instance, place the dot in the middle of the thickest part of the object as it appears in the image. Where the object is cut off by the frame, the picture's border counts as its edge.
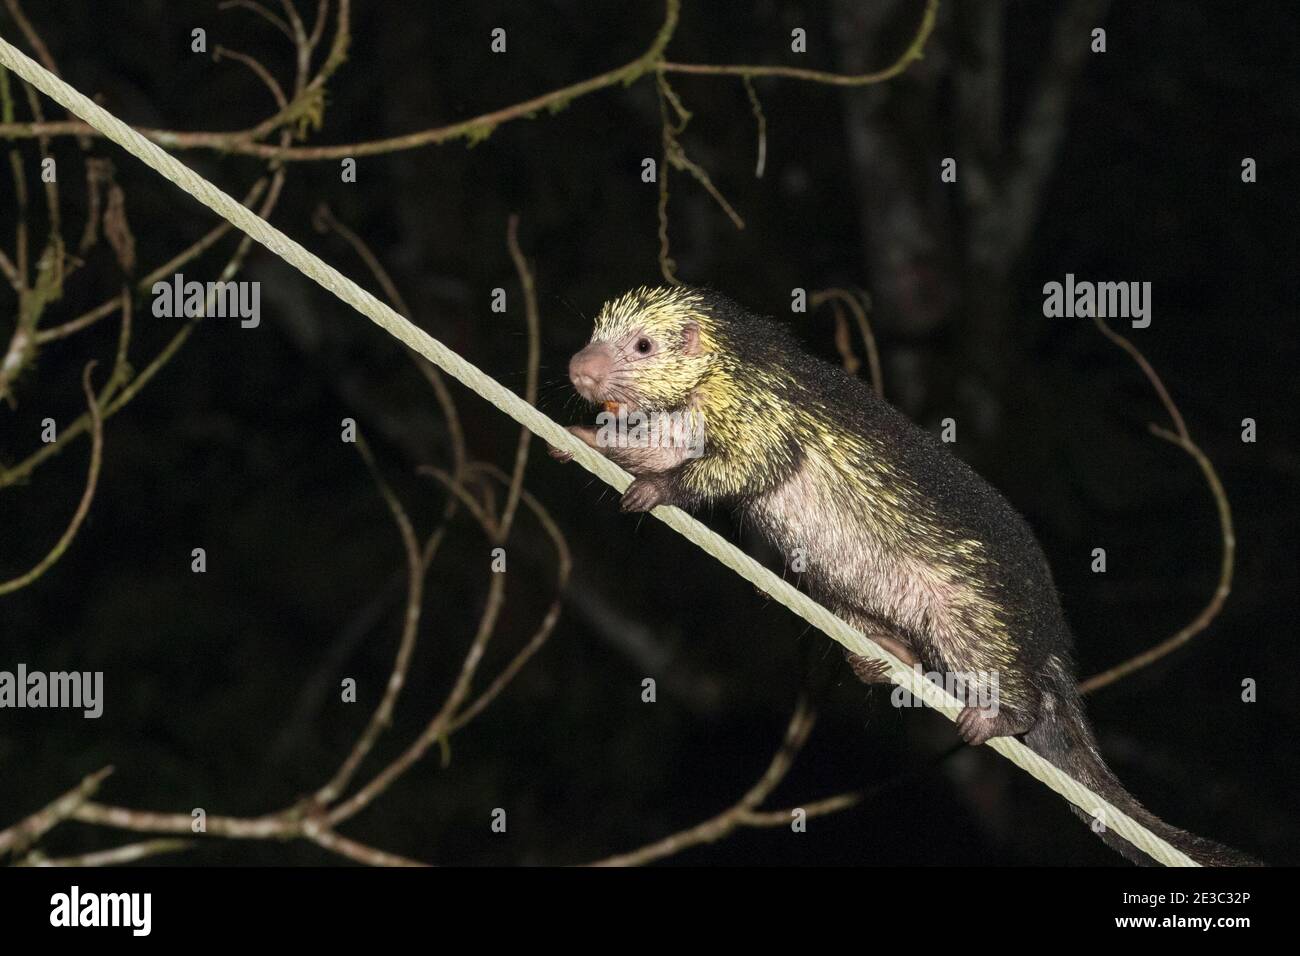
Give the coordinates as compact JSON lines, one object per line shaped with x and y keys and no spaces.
{"x":643,"y":346}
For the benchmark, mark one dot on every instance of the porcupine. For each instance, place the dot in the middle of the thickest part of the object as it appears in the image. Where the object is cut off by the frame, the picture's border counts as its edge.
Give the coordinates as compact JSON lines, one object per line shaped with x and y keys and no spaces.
{"x":898,"y":536}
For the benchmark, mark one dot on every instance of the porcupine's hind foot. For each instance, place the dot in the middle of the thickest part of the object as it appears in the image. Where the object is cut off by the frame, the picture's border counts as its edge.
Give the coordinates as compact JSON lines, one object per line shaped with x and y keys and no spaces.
{"x":979,"y":724}
{"x":645,"y":493}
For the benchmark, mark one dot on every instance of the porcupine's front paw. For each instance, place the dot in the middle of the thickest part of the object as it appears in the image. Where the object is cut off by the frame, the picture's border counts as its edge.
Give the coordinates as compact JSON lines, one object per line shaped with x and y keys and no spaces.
{"x":869,"y":670}
{"x":644,"y":494}
{"x":586,"y":434}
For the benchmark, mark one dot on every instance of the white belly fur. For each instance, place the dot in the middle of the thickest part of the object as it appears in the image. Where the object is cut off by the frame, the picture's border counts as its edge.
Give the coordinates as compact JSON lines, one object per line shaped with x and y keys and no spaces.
{"x":848,"y":551}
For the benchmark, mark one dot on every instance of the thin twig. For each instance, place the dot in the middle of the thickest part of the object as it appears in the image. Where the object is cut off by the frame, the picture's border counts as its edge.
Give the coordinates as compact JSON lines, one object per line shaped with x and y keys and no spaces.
{"x":1221,"y":590}
{"x":1157,"y":383}
{"x":858,"y":304}
{"x":914,"y":51}
{"x":261,"y":11}
{"x":667,"y":265}
{"x":129,"y":853}
{"x":742,"y":813}
{"x":34,"y":38}
{"x":87,"y":496}
{"x":533,"y":320}
{"x":260,"y":71}
{"x":757,"y":107}
{"x":547,"y":625}
{"x":16,"y":838}
{"x":323,"y":220}
{"x":358,"y":852}
{"x":415,"y":572}
{"x":1228,"y":538}
{"x":437,"y":728}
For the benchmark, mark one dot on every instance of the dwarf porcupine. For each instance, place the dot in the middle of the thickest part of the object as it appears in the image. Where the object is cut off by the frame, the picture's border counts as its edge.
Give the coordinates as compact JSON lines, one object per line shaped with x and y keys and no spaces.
{"x":897,"y":535}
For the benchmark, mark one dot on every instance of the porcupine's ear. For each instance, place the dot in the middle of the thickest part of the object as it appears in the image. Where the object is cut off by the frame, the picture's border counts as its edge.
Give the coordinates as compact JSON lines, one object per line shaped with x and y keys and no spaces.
{"x":691,"y":338}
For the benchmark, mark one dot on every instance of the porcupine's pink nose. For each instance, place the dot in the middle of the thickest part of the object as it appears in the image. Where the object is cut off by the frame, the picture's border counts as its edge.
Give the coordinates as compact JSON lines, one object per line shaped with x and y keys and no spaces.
{"x":589,"y":369}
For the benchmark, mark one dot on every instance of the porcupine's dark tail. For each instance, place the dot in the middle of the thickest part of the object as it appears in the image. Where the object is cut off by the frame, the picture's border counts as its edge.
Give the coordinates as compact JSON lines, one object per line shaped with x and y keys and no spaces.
{"x":1063,"y":737}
